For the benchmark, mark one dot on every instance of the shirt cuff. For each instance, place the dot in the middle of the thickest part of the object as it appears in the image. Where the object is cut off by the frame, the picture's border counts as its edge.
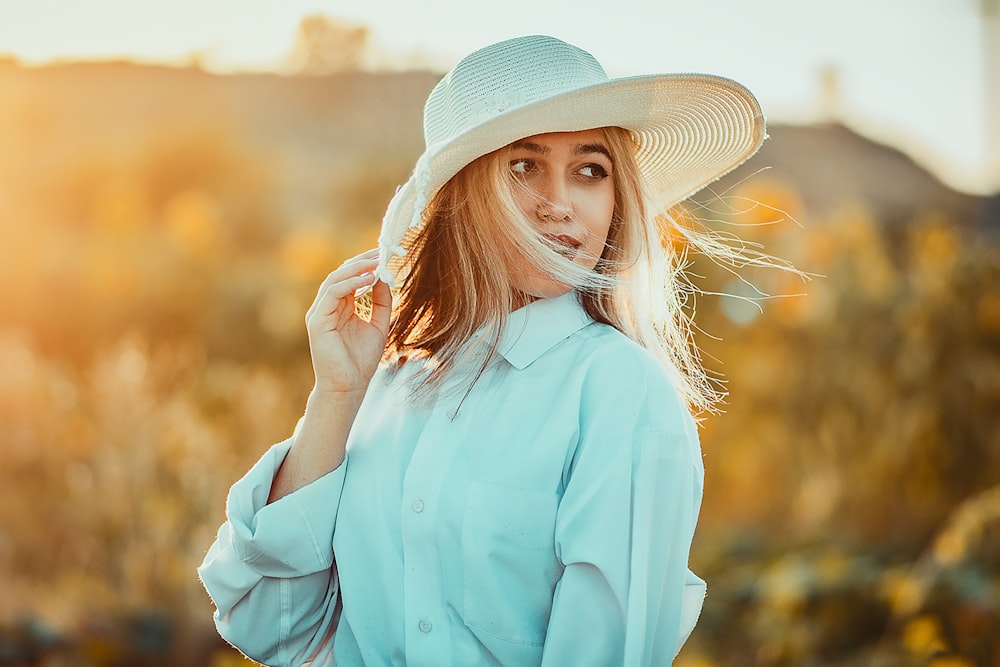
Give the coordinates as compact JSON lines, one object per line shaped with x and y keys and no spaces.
{"x":292,"y":536}
{"x":691,"y":603}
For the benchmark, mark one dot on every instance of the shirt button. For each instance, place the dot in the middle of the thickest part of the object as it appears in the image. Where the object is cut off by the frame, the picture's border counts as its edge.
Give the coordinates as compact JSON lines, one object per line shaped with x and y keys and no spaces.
{"x":425,"y":626}
{"x":418,"y":506}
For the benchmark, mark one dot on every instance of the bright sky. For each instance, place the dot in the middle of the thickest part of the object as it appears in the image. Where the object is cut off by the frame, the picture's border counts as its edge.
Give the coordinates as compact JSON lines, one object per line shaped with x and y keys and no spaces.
{"x":911,"y":71}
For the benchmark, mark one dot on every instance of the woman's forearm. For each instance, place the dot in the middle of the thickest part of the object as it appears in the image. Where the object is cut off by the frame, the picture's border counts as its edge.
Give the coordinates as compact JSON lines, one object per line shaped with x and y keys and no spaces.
{"x":320,"y":441}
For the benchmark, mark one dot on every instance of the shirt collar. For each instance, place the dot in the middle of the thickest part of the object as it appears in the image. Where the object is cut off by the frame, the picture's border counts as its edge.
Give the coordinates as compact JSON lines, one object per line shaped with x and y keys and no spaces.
{"x":533,"y":330}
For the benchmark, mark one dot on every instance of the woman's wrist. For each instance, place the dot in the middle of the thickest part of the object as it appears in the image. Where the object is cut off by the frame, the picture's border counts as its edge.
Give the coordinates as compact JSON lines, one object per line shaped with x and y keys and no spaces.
{"x":328,"y":418}
{"x":320,"y":440}
{"x":326,"y":397}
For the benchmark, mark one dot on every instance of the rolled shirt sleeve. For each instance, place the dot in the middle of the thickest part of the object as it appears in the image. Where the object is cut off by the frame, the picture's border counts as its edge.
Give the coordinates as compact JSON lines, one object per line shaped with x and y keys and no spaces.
{"x":271,"y":571}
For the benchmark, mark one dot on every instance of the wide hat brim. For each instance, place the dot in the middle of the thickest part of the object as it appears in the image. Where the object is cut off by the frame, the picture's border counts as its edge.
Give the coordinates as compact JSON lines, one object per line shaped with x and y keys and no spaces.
{"x":691,"y":129}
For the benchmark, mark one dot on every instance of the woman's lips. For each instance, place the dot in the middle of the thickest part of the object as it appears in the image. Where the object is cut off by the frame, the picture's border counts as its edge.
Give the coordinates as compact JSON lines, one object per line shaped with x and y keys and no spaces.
{"x":565,"y":244}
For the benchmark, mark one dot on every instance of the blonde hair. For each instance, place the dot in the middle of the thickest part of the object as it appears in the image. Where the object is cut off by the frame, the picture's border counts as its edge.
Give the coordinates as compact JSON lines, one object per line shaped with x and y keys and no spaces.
{"x":461,"y":271}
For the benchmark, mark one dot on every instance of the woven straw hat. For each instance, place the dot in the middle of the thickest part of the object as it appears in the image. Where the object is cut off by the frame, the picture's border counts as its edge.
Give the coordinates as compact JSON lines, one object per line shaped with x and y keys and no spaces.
{"x":691,"y":129}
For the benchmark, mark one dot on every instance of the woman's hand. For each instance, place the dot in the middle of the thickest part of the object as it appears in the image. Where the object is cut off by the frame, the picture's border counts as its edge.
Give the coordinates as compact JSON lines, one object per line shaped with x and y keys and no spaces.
{"x":345,"y":353}
{"x":345,"y":348}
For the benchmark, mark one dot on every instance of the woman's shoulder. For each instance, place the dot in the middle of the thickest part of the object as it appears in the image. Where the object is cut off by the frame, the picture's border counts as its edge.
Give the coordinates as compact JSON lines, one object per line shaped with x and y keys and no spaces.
{"x":618,"y":357}
{"x":615,"y":365}
{"x":628,"y":396}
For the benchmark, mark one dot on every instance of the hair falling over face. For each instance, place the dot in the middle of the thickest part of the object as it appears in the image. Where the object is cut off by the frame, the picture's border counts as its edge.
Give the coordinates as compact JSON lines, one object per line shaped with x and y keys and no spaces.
{"x":463,"y":269}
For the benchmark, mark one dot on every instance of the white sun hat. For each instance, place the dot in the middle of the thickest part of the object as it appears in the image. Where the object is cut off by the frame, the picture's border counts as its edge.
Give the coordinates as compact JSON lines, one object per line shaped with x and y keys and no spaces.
{"x":690,"y":129}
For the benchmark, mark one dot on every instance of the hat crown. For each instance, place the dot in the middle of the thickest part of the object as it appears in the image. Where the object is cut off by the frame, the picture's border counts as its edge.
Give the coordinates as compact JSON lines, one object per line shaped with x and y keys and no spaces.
{"x":500,"y":77}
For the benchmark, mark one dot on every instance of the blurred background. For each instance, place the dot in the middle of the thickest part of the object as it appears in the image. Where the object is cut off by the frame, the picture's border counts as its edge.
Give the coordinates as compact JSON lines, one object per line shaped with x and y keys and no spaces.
{"x":175,"y":180}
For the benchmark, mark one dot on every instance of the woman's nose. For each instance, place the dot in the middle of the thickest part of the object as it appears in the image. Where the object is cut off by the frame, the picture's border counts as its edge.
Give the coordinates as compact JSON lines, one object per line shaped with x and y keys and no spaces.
{"x":554,"y":203}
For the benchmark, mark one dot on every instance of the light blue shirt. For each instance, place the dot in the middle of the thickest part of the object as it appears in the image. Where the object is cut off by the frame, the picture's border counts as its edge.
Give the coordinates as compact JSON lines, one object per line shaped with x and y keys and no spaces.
{"x":545,"y":517}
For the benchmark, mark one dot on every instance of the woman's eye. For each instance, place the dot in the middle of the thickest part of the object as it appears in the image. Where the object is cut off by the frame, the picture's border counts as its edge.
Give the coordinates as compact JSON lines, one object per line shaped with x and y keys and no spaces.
{"x":594,"y":171}
{"x":521,"y":167}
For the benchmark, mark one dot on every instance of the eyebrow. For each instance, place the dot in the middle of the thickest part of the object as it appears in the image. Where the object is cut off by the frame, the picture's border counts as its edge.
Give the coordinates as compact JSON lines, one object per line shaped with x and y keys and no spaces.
{"x":579,"y":149}
{"x":532,"y":146}
{"x":586,"y":149}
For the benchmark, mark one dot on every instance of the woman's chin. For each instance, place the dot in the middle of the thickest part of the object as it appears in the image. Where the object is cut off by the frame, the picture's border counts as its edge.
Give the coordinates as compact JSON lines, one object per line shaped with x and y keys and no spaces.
{"x":544,"y":289}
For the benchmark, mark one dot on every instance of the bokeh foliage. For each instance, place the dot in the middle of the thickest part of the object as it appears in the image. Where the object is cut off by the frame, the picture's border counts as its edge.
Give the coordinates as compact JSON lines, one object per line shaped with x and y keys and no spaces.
{"x":152,"y":291}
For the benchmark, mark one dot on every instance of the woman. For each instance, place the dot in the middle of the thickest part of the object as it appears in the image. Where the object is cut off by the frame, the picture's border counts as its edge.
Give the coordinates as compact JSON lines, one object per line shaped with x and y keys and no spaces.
{"x":501,"y":467}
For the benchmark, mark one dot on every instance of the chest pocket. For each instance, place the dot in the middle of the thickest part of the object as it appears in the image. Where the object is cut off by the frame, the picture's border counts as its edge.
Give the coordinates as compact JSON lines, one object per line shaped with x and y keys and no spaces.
{"x":511,"y":570}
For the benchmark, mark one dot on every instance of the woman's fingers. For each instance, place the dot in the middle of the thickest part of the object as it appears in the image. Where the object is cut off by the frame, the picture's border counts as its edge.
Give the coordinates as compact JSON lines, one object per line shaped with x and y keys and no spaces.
{"x":335,"y":294}
{"x":348,"y":286}
{"x":367,"y":254}
{"x":365,"y":257}
{"x":354,"y":267}
{"x":381,"y":307}
{"x":345,"y":348}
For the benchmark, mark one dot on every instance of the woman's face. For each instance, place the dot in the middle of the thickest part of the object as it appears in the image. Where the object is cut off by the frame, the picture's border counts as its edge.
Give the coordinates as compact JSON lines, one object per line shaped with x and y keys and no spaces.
{"x":569,"y":195}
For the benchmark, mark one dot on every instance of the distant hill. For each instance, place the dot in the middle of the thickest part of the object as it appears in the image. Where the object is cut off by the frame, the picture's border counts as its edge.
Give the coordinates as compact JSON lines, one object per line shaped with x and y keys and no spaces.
{"x":830,"y":165}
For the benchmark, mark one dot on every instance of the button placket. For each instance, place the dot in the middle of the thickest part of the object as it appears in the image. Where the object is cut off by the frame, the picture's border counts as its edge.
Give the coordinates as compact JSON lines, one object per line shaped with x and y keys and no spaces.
{"x":422,"y":584}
